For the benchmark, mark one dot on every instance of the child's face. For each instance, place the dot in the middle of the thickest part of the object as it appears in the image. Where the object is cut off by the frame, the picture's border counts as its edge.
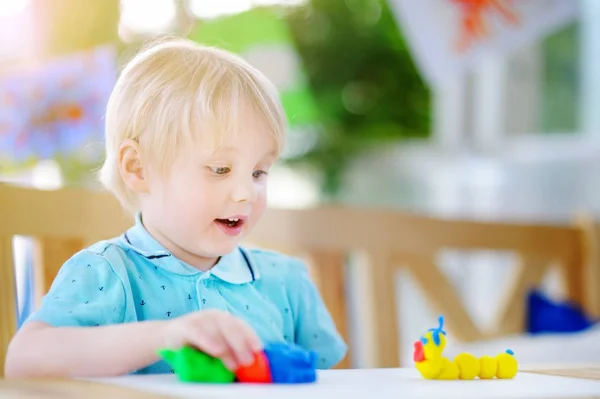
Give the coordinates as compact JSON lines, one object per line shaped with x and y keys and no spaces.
{"x":210,"y":201}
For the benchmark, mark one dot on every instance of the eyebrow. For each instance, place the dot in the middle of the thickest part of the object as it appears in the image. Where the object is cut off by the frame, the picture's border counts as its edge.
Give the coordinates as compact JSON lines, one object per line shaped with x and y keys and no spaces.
{"x":226,"y":150}
{"x":270,"y":154}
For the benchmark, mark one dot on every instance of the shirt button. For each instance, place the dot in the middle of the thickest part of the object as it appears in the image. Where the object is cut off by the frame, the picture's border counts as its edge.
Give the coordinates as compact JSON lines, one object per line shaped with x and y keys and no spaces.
{"x":205,"y":275}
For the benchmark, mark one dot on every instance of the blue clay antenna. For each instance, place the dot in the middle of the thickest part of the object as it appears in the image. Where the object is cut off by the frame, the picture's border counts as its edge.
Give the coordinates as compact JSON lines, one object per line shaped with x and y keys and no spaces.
{"x":439,"y":330}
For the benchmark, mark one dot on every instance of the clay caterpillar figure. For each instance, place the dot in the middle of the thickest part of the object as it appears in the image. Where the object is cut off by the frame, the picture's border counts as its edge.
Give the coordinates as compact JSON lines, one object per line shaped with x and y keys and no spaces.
{"x":433,"y":366}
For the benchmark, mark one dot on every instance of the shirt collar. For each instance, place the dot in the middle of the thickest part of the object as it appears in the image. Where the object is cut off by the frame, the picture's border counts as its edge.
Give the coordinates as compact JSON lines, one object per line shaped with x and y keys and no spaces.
{"x":235,"y":267}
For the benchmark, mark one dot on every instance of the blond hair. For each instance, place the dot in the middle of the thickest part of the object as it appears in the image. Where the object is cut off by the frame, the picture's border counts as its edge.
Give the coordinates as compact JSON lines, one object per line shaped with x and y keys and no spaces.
{"x":172,"y":92}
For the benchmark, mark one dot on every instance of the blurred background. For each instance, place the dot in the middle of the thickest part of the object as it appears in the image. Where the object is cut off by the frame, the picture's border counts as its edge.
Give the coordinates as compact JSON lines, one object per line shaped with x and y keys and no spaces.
{"x":473,"y":109}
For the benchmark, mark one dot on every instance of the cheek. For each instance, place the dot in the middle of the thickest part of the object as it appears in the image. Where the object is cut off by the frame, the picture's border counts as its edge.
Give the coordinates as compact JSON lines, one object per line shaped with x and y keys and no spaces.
{"x":191,"y":200}
{"x":188,"y":212}
{"x":260,"y":204}
{"x":183,"y":200}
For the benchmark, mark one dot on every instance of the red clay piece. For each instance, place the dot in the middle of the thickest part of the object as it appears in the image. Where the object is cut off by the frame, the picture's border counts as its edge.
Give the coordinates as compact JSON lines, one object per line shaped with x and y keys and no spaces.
{"x":257,"y":372}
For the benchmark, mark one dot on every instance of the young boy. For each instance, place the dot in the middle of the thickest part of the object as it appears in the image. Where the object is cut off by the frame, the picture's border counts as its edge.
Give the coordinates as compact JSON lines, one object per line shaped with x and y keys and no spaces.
{"x":191,"y":133}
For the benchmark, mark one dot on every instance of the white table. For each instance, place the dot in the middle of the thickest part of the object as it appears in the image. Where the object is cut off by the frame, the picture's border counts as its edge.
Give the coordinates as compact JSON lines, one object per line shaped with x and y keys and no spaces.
{"x":369,"y":383}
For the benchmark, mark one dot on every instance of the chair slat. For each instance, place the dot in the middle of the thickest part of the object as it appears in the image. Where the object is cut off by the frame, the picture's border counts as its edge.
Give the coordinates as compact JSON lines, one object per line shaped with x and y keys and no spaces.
{"x":8,"y":297}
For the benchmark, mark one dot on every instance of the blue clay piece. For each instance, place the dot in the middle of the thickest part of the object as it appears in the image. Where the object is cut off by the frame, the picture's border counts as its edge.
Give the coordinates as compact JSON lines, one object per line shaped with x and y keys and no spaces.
{"x":291,"y":364}
{"x":437,"y":331}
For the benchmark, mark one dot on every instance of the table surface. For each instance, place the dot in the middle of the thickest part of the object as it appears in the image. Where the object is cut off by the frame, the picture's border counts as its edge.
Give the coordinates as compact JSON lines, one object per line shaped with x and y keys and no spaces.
{"x":581,"y":382}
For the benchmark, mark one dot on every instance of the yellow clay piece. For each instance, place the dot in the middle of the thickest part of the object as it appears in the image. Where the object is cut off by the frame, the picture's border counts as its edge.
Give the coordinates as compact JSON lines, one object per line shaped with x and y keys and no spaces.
{"x":468,"y":366}
{"x":450,"y":370}
{"x":430,"y":369}
{"x":488,"y":367}
{"x":507,"y":366}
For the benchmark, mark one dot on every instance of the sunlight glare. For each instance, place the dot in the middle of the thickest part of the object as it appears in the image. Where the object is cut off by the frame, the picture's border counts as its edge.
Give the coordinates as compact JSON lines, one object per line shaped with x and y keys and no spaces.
{"x":207,"y":9}
{"x":278,"y":2}
{"x":292,"y":189}
{"x":147,"y":16}
{"x":12,"y":8}
{"x":47,"y":175}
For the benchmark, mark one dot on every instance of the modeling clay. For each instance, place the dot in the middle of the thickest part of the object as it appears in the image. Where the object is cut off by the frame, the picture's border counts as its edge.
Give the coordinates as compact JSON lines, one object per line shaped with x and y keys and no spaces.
{"x":277,"y":363}
{"x":259,"y":371}
{"x":291,"y":364}
{"x":433,"y":366}
{"x":191,"y":365}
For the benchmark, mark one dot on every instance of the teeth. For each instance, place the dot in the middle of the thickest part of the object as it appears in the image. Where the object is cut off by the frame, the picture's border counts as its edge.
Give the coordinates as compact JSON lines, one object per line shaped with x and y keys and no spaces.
{"x":233,"y":220}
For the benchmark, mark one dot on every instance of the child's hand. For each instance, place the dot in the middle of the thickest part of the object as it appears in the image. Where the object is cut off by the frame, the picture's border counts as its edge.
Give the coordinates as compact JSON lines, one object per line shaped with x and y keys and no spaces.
{"x":216,"y":333}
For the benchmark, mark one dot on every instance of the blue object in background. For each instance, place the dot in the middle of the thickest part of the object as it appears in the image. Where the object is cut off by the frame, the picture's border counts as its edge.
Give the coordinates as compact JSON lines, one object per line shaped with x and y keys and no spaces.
{"x":291,"y":364}
{"x":56,"y":110}
{"x":547,"y":316}
{"x":26,"y":290}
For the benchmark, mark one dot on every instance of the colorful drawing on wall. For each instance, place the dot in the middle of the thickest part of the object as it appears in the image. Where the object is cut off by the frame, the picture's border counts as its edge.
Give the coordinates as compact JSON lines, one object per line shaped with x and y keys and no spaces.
{"x":449,"y":37}
{"x":55,"y":110}
{"x":473,"y":18}
{"x":264,"y":40}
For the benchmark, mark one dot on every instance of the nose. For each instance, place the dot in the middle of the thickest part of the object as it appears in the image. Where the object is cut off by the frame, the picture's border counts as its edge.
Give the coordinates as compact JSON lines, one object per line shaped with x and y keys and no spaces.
{"x":245,"y":191}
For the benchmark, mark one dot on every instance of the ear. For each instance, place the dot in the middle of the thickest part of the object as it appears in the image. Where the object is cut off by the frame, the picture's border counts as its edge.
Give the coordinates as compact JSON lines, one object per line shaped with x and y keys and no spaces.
{"x":131,"y":167}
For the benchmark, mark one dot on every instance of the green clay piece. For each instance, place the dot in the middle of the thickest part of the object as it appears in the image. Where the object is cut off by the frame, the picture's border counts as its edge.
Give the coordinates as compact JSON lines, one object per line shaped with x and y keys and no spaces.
{"x":191,"y":365}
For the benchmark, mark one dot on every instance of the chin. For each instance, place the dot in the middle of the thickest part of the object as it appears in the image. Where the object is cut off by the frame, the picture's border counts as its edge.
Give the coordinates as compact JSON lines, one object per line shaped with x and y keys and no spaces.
{"x":223,"y":248}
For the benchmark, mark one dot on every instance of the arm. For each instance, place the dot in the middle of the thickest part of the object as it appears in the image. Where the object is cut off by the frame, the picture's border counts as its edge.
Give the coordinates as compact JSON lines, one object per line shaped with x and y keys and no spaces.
{"x":315,"y":329}
{"x":40,"y":350}
{"x":83,"y":329}
{"x":80,"y":327}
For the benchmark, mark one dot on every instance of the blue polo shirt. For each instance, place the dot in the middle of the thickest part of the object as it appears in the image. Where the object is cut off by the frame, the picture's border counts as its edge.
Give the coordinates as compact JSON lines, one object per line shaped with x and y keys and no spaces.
{"x":133,"y":278}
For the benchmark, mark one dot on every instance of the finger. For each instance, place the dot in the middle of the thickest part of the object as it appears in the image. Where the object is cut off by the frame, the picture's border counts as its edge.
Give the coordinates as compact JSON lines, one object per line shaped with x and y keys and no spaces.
{"x":250,"y":336}
{"x":229,"y":361}
{"x":239,"y":337}
{"x":209,"y":340}
{"x":213,"y":343}
{"x":251,"y":343}
{"x":253,"y":339}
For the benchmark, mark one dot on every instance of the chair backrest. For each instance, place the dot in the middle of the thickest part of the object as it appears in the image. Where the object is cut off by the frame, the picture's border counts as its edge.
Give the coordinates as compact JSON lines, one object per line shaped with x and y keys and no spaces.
{"x":67,"y":220}
{"x":62,"y":222}
{"x":388,"y":240}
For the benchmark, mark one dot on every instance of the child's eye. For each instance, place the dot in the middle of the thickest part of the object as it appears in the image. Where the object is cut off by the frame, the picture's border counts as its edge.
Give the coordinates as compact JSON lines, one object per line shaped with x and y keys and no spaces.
{"x":258,"y":174}
{"x":222,"y":170}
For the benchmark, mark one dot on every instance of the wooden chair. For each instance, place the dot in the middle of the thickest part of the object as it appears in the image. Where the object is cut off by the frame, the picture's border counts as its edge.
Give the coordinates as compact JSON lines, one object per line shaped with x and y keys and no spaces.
{"x":65,"y":221}
{"x":62,"y":222}
{"x":389,"y":241}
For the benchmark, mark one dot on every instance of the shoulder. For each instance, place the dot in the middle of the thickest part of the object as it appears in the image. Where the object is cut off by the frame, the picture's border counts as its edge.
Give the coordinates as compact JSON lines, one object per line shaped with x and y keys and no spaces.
{"x":103,"y":258}
{"x":278,"y":268}
{"x":87,"y":291}
{"x":270,"y":262}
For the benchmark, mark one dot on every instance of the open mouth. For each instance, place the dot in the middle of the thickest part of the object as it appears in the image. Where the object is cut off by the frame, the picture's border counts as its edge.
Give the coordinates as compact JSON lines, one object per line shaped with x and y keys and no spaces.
{"x":231,"y":223}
